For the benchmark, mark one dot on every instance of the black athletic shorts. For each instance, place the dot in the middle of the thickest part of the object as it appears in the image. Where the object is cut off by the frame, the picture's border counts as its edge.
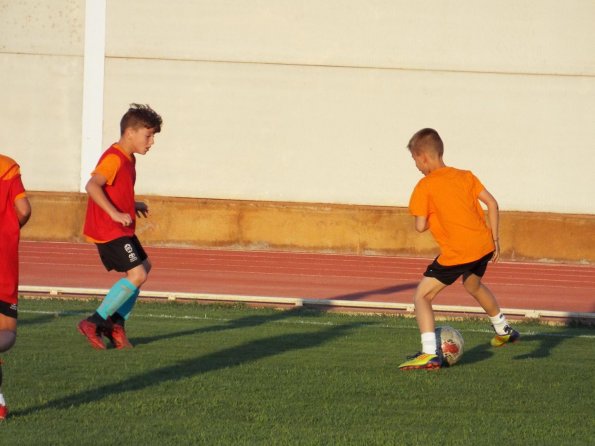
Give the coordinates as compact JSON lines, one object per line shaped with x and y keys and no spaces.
{"x":122,"y":254}
{"x":448,"y":274}
{"x":10,"y":310}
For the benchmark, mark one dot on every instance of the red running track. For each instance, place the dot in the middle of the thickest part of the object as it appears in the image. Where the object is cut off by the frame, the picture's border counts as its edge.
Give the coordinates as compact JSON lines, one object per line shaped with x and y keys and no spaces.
{"x":534,"y":286}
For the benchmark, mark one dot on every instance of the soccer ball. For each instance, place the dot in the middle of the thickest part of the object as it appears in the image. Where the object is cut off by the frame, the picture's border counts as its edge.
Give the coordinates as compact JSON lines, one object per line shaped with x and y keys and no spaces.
{"x":451,"y":344}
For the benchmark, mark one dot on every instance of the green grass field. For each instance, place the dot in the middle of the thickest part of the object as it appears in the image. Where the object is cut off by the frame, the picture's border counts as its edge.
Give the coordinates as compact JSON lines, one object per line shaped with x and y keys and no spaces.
{"x":232,"y":375}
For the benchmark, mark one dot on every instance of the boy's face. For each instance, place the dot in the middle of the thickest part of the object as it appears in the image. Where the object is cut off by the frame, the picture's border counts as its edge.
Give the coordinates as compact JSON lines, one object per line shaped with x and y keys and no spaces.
{"x":141,"y":139}
{"x":421,"y":162}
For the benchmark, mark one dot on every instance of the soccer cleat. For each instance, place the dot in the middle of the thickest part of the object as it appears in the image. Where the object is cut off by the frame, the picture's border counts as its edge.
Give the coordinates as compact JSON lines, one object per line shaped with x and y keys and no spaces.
{"x":422,"y":361}
{"x":3,"y":412}
{"x":117,"y":336}
{"x":508,"y":338}
{"x":89,"y":330}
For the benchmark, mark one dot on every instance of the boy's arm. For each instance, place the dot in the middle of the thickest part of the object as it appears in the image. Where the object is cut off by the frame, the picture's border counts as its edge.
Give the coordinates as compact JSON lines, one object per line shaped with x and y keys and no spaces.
{"x":493,"y":219}
{"x":23,"y":209}
{"x":421,"y":223}
{"x":94,"y":188}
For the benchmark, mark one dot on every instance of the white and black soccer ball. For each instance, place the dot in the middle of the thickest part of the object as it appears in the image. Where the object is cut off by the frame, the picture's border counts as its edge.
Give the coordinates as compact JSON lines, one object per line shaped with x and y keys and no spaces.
{"x":451,"y":344}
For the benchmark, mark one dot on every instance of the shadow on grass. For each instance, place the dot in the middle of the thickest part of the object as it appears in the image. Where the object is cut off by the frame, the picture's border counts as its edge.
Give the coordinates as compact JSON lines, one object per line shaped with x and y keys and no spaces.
{"x":36,"y":320}
{"x":546,"y":342}
{"x":246,"y":322}
{"x":381,"y":291}
{"x":226,"y":358}
{"x":479,"y":353}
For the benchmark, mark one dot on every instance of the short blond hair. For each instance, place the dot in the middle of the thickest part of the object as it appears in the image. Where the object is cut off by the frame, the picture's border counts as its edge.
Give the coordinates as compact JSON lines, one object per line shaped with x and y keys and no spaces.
{"x":426,"y":140}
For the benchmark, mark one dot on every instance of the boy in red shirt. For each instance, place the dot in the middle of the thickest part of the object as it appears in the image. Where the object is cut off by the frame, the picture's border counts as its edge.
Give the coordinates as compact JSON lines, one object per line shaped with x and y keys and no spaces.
{"x":110,"y":224}
{"x":15,"y":211}
{"x":446,"y":201}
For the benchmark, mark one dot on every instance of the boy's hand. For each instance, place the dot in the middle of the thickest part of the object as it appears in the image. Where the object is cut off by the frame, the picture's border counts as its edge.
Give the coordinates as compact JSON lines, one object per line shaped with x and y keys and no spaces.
{"x":496,"y":255}
{"x":141,"y":209}
{"x":122,"y":218}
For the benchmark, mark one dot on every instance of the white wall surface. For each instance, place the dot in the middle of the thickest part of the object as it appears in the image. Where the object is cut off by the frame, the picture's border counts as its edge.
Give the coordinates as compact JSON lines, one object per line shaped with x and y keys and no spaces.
{"x":315,"y":101}
{"x":40,"y":90}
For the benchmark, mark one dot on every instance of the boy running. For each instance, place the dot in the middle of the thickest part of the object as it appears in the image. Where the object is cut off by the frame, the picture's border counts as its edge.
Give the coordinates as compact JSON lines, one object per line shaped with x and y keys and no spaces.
{"x":15,"y":211}
{"x":110,"y":224}
{"x":446,"y":201}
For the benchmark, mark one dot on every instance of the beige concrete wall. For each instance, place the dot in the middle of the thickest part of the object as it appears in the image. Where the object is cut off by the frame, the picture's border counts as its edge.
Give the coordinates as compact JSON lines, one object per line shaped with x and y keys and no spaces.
{"x":41,"y":69}
{"x":314,"y":101}
{"x":312,"y":227}
{"x":273,"y":102}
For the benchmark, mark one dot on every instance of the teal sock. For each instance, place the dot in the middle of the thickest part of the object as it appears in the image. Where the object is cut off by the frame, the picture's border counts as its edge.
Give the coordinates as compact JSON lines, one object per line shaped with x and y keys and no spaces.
{"x":122,"y":290}
{"x":126,"y":308}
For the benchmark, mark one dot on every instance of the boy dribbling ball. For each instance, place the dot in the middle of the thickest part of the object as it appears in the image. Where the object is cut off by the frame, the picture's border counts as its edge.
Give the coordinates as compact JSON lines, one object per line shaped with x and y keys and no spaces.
{"x":447,"y":202}
{"x":110,"y":223}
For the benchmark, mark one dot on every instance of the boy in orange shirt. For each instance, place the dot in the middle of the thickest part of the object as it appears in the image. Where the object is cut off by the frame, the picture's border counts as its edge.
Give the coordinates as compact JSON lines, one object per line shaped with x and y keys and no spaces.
{"x":446,"y":201}
{"x":15,"y":211}
{"x":110,"y":223}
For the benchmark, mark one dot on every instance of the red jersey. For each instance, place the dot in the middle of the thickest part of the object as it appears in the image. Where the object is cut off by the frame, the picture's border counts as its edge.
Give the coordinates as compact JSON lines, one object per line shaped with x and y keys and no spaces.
{"x":119,"y":170}
{"x":11,"y":189}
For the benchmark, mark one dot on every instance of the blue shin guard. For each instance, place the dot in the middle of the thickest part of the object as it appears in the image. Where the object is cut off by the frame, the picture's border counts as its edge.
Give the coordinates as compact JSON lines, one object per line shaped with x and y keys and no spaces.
{"x":120,"y":293}
{"x":126,"y":308}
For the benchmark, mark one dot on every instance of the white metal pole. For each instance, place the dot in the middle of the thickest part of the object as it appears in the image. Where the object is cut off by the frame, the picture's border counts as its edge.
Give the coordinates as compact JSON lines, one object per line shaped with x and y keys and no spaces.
{"x":93,"y":82}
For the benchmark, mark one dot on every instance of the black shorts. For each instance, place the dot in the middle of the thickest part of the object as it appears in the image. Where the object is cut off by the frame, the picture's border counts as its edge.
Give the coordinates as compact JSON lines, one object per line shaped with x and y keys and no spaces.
{"x":448,"y":274}
{"x":122,"y":254}
{"x":10,"y":310}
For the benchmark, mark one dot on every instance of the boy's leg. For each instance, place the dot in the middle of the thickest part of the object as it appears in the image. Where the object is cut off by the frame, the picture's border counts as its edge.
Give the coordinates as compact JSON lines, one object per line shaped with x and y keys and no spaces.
{"x":482,"y":294}
{"x":8,"y":336}
{"x":122,"y":290}
{"x":117,"y":333}
{"x":124,"y":255}
{"x":138,"y":279}
{"x":426,"y":291}
{"x":99,"y":322}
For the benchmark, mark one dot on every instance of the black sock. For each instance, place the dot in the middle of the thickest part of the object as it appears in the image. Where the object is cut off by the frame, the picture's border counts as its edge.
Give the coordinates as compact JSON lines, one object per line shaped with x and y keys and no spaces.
{"x":99,"y":321}
{"x":118,"y":319}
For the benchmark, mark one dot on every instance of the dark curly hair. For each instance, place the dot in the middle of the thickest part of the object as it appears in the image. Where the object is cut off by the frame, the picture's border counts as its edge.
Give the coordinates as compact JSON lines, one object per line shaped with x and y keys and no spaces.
{"x":139,"y":115}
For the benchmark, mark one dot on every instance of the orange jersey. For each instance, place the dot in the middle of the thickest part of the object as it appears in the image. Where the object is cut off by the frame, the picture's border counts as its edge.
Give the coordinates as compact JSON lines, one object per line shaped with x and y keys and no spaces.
{"x":11,"y":189}
{"x":448,"y":198}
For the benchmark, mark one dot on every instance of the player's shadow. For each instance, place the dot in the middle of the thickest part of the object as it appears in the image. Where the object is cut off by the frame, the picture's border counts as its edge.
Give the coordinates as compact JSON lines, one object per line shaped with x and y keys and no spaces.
{"x":378,"y":292}
{"x":479,"y":353}
{"x":257,"y":320}
{"x":245,"y":322}
{"x":546,"y":342}
{"x":229,"y":357}
{"x":37,"y":320}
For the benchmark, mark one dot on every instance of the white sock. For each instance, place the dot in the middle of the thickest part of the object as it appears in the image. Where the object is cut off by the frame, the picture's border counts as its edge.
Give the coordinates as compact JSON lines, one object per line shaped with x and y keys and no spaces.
{"x":2,"y":402}
{"x":428,"y":342}
{"x":499,"y":323}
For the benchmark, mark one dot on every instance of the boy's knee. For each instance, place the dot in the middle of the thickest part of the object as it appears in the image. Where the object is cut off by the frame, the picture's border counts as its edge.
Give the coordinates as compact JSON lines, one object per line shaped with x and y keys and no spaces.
{"x":147,"y":266}
{"x":472,"y":283}
{"x":7,"y":340}
{"x":138,"y":275}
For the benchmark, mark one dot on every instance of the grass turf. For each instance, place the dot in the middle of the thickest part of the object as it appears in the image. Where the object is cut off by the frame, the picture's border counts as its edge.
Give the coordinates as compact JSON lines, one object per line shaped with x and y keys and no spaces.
{"x":234,"y":375}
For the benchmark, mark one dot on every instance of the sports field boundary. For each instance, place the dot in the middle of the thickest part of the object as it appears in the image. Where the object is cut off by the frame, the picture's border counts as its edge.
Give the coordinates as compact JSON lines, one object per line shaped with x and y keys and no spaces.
{"x":405,"y":308}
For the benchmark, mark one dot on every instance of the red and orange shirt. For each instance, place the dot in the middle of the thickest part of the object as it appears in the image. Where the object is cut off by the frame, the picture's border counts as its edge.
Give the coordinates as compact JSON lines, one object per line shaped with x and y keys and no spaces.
{"x":118,"y":168}
{"x":448,"y":198}
{"x":11,"y":189}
